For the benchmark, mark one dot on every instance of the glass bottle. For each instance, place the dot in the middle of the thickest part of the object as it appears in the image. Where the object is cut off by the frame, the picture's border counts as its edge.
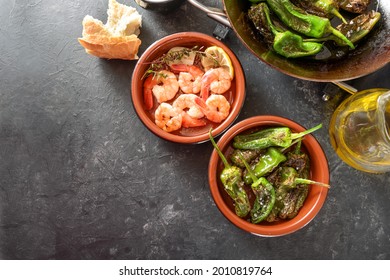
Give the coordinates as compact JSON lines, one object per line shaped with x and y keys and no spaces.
{"x":360,"y":130}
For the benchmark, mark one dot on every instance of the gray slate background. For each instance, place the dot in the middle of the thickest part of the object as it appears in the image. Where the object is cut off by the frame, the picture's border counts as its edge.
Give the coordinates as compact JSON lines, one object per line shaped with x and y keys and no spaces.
{"x":82,"y":178}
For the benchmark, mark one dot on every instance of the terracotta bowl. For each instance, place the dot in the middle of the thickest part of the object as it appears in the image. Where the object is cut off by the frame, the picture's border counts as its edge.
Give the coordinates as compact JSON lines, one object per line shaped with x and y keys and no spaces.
{"x":316,"y":196}
{"x":235,"y":95}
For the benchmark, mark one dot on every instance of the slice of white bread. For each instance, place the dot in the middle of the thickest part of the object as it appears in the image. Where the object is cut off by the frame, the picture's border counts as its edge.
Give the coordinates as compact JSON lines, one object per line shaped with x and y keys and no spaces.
{"x":118,"y":38}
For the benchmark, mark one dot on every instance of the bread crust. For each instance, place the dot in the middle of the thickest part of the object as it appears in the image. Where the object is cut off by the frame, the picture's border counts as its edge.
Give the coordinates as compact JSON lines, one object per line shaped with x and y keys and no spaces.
{"x":118,"y":38}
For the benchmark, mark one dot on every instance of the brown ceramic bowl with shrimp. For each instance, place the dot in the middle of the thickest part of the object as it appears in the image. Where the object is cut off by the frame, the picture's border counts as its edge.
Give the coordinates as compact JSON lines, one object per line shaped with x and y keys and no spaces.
{"x":319,"y":172}
{"x":160,"y":81}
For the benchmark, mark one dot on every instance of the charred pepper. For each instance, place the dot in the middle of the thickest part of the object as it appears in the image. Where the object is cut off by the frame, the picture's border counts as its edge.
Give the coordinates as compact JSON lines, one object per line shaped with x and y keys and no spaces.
{"x":299,"y":161}
{"x":358,"y":27}
{"x":278,"y":136}
{"x":307,"y":24}
{"x":291,"y":192}
{"x":355,"y":29}
{"x":284,"y":42}
{"x":289,"y":179}
{"x":231,"y":178}
{"x":265,"y":196}
{"x":354,"y":6}
{"x":322,"y":8}
{"x":248,"y":155}
{"x":266,"y":164}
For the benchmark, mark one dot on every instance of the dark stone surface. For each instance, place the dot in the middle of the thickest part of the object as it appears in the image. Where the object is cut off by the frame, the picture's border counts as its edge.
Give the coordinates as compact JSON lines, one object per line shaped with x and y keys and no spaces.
{"x":82,"y":178}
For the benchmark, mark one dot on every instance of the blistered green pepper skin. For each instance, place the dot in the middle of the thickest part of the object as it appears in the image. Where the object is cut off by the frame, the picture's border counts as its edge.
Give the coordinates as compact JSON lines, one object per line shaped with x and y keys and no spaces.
{"x":307,"y":24}
{"x":322,"y":8}
{"x":265,"y":200}
{"x":355,"y":29}
{"x":248,"y":155}
{"x":231,"y":178}
{"x":290,"y":190}
{"x":284,"y":42}
{"x":356,"y":6}
{"x":264,"y":133}
{"x":233,"y":185}
{"x":291,"y":45}
{"x":289,"y":179}
{"x":266,"y":164}
{"x":279,"y":136}
{"x":265,"y":196}
{"x":358,"y":27}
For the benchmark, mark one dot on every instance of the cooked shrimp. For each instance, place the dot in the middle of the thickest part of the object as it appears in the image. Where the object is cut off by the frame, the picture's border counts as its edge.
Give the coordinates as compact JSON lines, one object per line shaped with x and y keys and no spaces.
{"x":216,"y":80}
{"x":166,"y":86}
{"x":190,"y":77}
{"x":191,"y":112}
{"x":149,"y":84}
{"x":188,"y":121}
{"x":167,"y":117}
{"x":216,"y":108}
{"x":186,"y":102}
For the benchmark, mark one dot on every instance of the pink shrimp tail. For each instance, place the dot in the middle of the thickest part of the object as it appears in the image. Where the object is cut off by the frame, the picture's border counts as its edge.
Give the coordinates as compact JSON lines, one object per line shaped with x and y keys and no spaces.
{"x":202,"y":104}
{"x":148,"y":99}
{"x":207,"y":79}
{"x":192,"y":122}
{"x":204,"y":92}
{"x":148,"y":94}
{"x":179,"y":68}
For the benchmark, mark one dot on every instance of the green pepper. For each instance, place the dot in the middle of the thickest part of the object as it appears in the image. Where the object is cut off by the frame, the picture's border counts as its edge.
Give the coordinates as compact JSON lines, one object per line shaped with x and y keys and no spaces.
{"x":266,"y":164}
{"x":284,"y":42}
{"x":300,"y":162}
{"x":265,"y":200}
{"x":307,"y":24}
{"x":265,"y":196}
{"x":257,"y":15}
{"x":231,"y":178}
{"x":359,"y":26}
{"x":355,"y":6}
{"x":278,"y":136}
{"x":292,"y":191}
{"x":248,"y":155}
{"x":290,"y":200}
{"x":289,"y":179}
{"x":322,"y":8}
{"x":354,"y":30}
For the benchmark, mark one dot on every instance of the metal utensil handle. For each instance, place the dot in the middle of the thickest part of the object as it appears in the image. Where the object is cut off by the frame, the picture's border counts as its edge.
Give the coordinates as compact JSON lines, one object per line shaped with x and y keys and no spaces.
{"x":214,"y":13}
{"x":346,"y":87}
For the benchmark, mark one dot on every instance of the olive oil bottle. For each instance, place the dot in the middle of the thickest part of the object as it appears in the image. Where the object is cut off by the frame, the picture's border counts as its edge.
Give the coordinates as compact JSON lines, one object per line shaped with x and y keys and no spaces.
{"x":360,"y":130}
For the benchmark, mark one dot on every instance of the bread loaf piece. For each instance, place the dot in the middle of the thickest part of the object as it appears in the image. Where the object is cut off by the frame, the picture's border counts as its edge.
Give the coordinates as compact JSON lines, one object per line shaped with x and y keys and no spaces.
{"x":118,"y":38}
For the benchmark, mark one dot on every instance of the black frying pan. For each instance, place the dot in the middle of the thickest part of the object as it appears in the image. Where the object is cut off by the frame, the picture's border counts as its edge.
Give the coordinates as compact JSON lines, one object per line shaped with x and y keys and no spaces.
{"x":371,"y":54}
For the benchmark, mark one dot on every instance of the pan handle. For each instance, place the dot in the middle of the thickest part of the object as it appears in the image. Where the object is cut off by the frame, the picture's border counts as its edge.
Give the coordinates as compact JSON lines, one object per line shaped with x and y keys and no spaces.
{"x":346,"y":87}
{"x":214,"y":13}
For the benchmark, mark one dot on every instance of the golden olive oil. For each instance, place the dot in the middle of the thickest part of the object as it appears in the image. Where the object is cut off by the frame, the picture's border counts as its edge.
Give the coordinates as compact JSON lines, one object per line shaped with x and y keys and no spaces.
{"x":359,"y":130}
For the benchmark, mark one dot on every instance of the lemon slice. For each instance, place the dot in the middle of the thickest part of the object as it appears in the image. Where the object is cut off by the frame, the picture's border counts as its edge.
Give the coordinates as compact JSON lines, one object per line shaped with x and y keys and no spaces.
{"x":217,"y":57}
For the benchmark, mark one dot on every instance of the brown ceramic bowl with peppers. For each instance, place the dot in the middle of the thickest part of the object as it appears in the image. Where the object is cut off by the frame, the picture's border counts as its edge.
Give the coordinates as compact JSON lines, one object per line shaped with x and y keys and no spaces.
{"x":146,"y":103}
{"x":271,"y":224}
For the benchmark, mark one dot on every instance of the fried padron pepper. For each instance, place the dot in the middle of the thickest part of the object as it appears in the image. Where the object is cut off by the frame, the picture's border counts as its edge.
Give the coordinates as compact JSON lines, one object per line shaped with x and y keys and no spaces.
{"x":307,"y":24}
{"x":266,"y":163}
{"x":276,"y":136}
{"x":265,"y":196}
{"x":284,"y":42}
{"x":322,"y":8}
{"x":355,"y":29}
{"x":231,"y":178}
{"x":354,"y":6}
